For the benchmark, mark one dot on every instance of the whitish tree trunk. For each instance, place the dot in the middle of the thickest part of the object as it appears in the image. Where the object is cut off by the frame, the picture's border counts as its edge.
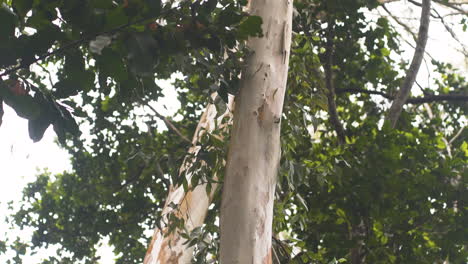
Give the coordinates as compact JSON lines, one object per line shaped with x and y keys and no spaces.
{"x":192,"y":206}
{"x":254,"y":151}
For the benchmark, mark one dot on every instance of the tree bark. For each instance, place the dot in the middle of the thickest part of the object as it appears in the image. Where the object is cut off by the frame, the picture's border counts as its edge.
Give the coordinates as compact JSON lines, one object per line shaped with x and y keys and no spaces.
{"x":405,"y":90}
{"x":168,"y":247}
{"x":254,"y":151}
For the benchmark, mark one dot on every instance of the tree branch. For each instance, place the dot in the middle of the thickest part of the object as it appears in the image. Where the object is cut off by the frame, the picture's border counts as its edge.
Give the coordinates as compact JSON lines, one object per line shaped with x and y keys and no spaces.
{"x":406,"y":27}
{"x":364,"y":91}
{"x":169,"y":124}
{"x":335,"y":121}
{"x":449,"y":29}
{"x":405,"y":90}
{"x":414,"y":100}
{"x":453,"y":5}
{"x":456,"y":135}
{"x":438,"y":98}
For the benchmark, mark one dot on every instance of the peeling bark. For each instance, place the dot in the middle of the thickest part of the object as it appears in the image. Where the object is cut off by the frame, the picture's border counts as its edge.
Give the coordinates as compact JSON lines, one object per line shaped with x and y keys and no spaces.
{"x":192,"y":206}
{"x":254,"y":151}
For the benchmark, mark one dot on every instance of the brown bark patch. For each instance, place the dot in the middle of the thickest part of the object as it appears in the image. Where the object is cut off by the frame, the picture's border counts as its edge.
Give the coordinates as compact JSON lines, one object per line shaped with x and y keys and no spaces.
{"x":268,"y":259}
{"x":166,"y":255}
{"x":264,"y":199}
{"x":183,"y":208}
{"x":260,"y":111}
{"x":150,"y":248}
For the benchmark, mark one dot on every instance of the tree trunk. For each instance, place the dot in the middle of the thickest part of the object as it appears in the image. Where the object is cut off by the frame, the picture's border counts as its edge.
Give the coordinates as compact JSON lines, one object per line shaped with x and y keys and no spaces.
{"x":405,"y":90}
{"x":254,"y":151}
{"x":192,"y":206}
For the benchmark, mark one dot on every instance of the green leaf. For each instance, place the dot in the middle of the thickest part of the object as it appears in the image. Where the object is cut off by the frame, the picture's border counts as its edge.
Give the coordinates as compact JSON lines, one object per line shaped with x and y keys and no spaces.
{"x":22,"y":7}
{"x":142,"y":53}
{"x":111,"y":65}
{"x":464,"y":148}
{"x":250,"y":27}
{"x":385,"y":52}
{"x":102,"y":4}
{"x":66,"y":88}
{"x":223,"y":92}
{"x":116,"y":18}
{"x":38,"y":126}
{"x":24,"y":105}
{"x":8,"y":21}
{"x":154,"y":7}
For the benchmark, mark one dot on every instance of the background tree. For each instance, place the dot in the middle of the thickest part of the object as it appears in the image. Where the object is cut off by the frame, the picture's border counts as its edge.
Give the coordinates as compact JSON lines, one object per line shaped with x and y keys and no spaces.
{"x":364,"y":193}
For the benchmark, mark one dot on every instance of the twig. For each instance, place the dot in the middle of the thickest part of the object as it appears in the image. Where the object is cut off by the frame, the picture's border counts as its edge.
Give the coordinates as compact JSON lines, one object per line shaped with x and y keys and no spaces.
{"x":280,"y":243}
{"x":405,"y":90}
{"x":415,"y":3}
{"x":364,"y":91}
{"x":169,"y":124}
{"x":454,"y":36}
{"x":457,"y":135}
{"x":406,"y":27}
{"x":49,"y":74}
{"x":453,"y":6}
{"x":421,"y":88}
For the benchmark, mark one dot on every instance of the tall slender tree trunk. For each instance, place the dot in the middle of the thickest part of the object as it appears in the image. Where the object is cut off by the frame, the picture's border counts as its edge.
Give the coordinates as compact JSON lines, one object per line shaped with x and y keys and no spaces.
{"x":192,"y":206}
{"x":405,"y":90}
{"x":254,"y":151}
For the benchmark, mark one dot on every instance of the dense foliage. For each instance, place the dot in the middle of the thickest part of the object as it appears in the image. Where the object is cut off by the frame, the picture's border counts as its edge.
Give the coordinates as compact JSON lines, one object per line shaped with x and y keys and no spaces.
{"x":384,"y":196}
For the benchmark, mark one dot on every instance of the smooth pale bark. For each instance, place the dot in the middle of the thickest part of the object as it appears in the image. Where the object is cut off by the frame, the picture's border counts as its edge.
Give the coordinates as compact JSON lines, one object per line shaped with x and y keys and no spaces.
{"x":192,"y":206}
{"x":254,"y":151}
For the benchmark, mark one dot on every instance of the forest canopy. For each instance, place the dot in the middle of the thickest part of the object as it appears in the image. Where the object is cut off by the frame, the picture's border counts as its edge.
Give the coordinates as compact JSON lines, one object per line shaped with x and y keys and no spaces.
{"x":373,"y":165}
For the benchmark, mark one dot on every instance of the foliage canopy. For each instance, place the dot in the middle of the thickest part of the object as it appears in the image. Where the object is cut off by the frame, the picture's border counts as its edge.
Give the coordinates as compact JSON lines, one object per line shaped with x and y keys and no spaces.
{"x":385,"y":196}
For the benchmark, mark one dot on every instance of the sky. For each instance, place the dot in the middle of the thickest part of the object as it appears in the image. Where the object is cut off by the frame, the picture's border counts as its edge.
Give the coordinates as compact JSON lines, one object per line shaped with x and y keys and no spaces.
{"x":21,"y":159}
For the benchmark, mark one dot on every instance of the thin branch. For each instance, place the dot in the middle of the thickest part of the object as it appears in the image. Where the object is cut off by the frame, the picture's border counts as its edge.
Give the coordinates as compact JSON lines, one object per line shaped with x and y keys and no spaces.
{"x":415,"y":3}
{"x":421,"y":88}
{"x":405,"y":90}
{"x":364,"y":91}
{"x":48,"y":73}
{"x":280,"y":243}
{"x":455,"y":6}
{"x":169,"y":124}
{"x":329,"y":83}
{"x":386,"y":1}
{"x":449,"y":29}
{"x":438,"y":98}
{"x":456,"y":135}
{"x":406,"y":27}
{"x":414,"y":100}
{"x":453,"y":14}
